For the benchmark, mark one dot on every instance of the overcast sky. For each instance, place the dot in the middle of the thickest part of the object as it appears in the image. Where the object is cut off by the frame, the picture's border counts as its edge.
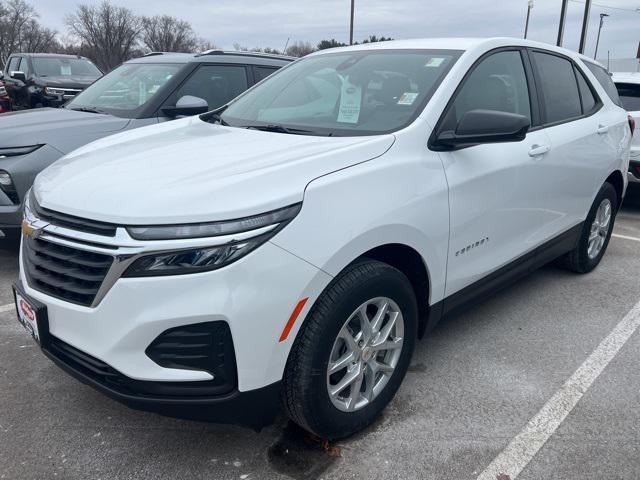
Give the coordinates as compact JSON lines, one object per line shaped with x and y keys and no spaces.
{"x":270,"y":22}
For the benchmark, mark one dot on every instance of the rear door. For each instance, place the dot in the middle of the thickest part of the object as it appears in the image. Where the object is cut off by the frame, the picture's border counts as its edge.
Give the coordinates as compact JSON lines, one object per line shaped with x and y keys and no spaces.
{"x":582,"y":138}
{"x":496,"y":191}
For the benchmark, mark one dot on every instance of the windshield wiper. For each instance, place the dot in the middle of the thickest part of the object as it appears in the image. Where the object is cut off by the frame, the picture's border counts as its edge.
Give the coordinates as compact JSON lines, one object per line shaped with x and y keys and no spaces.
{"x":87,"y":109}
{"x":214,"y":118}
{"x":278,"y":129}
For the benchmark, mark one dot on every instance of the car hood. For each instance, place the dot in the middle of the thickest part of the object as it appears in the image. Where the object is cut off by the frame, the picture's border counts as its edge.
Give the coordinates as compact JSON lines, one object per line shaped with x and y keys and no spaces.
{"x":69,"y":81}
{"x":191,"y":171}
{"x":61,"y":128}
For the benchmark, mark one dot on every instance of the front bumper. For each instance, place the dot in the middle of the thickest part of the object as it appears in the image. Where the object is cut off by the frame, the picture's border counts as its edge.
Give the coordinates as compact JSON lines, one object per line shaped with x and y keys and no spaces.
{"x":256,"y":408}
{"x":253,"y":296}
{"x":23,"y":170}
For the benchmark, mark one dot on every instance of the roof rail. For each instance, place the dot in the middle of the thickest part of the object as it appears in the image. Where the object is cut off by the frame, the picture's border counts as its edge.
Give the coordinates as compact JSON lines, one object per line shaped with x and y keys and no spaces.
{"x":245,"y":53}
{"x":153,"y":54}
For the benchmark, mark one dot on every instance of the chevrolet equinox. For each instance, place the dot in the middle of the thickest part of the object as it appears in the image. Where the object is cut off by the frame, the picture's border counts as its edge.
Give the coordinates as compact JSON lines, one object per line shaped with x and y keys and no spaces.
{"x":289,"y":248}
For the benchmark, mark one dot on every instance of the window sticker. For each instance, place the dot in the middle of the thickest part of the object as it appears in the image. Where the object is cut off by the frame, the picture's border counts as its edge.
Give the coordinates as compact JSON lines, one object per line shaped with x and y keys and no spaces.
{"x":407,"y":98}
{"x":350,"y":101}
{"x":65,"y":69}
{"x":434,"y":62}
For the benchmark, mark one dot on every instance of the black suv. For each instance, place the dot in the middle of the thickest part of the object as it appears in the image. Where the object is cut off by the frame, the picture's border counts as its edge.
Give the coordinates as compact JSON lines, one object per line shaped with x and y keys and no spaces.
{"x":47,"y":80}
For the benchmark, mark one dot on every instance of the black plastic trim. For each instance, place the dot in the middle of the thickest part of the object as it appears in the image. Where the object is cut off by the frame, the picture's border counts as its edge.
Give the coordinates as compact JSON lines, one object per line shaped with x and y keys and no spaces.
{"x":489,"y":285}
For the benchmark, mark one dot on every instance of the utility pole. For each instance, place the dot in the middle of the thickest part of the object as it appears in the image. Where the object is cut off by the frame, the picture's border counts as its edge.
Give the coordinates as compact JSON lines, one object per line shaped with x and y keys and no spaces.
{"x":526,"y":25}
{"x":563,"y":17}
{"x":351,"y":25}
{"x":602,"y":15}
{"x":585,"y":24}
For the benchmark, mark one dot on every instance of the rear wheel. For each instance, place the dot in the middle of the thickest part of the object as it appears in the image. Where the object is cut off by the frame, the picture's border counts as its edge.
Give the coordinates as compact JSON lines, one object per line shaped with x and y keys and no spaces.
{"x":353,"y":351}
{"x":595,"y":234}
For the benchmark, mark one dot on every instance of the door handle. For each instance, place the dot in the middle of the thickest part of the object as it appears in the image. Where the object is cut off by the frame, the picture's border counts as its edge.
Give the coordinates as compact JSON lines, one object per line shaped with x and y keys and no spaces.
{"x":602,"y":129}
{"x":537,"y":150}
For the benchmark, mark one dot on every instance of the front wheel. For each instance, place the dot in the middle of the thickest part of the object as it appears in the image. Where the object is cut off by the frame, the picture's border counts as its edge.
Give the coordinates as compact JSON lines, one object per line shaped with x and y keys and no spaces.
{"x":596,"y":233}
{"x":352,"y":352}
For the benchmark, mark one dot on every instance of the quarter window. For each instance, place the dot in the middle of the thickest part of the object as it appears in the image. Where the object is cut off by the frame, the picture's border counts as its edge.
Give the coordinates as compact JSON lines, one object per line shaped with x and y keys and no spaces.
{"x":498,"y":83}
{"x":605,"y":80}
{"x":559,"y":87}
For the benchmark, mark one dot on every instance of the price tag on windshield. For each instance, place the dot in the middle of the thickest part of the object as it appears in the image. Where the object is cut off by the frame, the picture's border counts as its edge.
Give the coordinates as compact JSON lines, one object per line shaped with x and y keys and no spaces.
{"x":350,"y":102}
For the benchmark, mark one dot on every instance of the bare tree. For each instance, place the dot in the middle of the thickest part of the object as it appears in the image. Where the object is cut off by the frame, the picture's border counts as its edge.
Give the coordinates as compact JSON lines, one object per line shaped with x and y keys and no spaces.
{"x":203,"y":45}
{"x":109,"y":33}
{"x":14,"y":15}
{"x":38,"y":39}
{"x":164,"y":33}
{"x":300,"y":49}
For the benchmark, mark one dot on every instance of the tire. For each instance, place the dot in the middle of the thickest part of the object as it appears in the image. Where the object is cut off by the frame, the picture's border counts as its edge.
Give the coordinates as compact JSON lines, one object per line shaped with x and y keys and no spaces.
{"x":306,"y":382}
{"x":581,"y":259}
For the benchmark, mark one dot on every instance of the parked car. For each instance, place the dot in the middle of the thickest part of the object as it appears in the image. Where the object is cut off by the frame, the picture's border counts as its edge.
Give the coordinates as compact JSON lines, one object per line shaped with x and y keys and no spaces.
{"x":37,"y":80}
{"x":628,"y":85}
{"x":5,"y":100}
{"x":290,"y":248}
{"x":140,"y":92}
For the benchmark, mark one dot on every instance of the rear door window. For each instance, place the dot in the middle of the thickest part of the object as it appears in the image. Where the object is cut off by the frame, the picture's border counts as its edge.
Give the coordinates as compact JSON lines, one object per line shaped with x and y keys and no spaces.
{"x":260,"y":73}
{"x":560,"y":96}
{"x":604,"y":79}
{"x":630,"y":96}
{"x":586,"y":94}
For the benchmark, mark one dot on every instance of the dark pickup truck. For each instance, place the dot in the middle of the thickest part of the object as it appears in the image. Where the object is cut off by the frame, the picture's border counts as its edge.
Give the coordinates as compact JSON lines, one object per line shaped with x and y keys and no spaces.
{"x":36,"y":80}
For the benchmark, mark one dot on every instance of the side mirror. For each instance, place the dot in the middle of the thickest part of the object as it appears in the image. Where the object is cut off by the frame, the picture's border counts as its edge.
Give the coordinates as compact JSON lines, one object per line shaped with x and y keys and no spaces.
{"x":19,"y":76}
{"x":485,"y":126}
{"x":187,"y":105}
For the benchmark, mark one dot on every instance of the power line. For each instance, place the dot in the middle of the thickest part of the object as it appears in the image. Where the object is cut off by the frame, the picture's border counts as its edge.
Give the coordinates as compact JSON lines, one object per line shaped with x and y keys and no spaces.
{"x":609,"y":6}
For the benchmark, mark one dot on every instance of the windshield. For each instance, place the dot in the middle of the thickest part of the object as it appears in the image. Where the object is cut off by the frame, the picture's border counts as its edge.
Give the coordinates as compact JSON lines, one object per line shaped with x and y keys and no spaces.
{"x":630,"y":96}
{"x":64,"y":67}
{"x":344,"y":94}
{"x":126,"y":89}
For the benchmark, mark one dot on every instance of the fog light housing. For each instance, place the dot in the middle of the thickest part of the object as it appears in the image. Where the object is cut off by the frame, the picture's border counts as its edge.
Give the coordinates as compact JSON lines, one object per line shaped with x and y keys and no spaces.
{"x":7,"y":186}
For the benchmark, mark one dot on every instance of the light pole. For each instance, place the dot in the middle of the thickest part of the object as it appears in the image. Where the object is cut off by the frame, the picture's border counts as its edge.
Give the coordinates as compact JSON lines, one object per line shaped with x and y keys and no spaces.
{"x":602,"y":15}
{"x":585,"y":24}
{"x":351,"y":25}
{"x":526,"y":25}
{"x":563,"y":17}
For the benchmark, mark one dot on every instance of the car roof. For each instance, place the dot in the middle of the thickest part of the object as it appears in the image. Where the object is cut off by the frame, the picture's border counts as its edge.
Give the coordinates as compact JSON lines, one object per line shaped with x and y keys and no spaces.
{"x":215,"y":56}
{"x":457,"y":43}
{"x":626,"y":77}
{"x":49,"y":55}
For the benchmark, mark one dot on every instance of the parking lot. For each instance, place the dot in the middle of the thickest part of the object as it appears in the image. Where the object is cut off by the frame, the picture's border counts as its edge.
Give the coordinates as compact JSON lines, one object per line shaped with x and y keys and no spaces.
{"x":473,"y":386}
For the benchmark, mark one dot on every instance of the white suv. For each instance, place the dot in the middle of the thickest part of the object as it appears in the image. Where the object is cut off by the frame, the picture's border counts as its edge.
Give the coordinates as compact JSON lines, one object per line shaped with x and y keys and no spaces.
{"x":290,"y":248}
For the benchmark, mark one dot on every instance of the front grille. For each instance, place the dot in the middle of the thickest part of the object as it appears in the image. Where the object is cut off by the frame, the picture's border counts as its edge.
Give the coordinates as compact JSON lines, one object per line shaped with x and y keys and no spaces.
{"x":64,"y":272}
{"x":72,"y":222}
{"x":109,"y":377}
{"x":204,"y":346}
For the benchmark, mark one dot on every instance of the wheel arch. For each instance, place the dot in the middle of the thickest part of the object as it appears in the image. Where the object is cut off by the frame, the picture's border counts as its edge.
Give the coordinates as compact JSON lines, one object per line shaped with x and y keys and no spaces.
{"x":617,"y":181}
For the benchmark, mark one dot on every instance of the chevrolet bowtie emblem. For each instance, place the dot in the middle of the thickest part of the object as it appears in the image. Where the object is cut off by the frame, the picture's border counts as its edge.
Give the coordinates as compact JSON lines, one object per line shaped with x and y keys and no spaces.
{"x":29,"y":230}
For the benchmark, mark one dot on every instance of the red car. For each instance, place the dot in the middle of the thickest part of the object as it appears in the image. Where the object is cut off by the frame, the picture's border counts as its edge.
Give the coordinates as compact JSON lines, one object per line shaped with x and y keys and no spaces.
{"x":5,"y":100}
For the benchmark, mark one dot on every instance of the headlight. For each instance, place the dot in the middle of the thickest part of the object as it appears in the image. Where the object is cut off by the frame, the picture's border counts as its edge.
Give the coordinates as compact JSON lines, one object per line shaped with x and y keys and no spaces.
{"x":3,"y":90}
{"x":54,"y":91}
{"x":193,"y":260}
{"x":214,"y":229}
{"x":254,"y":231}
{"x":17,"y":151}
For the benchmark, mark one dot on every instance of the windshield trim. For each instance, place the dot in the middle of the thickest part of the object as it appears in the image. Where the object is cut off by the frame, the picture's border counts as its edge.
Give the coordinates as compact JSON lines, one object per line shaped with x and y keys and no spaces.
{"x":347,"y":132}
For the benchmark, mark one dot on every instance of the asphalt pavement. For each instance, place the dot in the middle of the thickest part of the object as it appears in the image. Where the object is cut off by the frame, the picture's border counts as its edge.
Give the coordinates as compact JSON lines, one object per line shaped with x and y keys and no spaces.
{"x":473,"y":386}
